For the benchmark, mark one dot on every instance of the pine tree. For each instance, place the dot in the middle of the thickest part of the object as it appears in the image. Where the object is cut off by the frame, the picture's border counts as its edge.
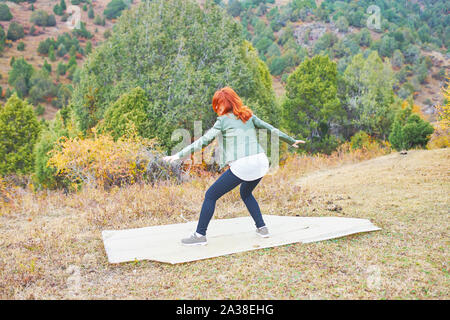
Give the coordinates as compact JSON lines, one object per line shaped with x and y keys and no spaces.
{"x":91,"y":13}
{"x":47,"y":66}
{"x":51,"y":53}
{"x":45,"y":175}
{"x":311,"y":104}
{"x":88,"y":48}
{"x":368,"y":96}
{"x":20,"y":75}
{"x":127,"y":112}
{"x":175,"y":51}
{"x":19,"y":131}
{"x":410,"y":130}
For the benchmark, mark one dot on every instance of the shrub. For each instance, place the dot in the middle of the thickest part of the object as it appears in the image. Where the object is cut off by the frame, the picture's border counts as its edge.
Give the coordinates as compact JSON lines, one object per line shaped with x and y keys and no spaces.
{"x":58,"y":10}
{"x":45,"y":175}
{"x":47,"y":66}
{"x":2,"y":37}
{"x":127,"y":112}
{"x":91,"y":13}
{"x":15,"y":31}
{"x":64,"y":94}
{"x":42,"y":87}
{"x":61,"y":69}
{"x":19,"y":131}
{"x":88,"y":48}
{"x":44,"y":46}
{"x":42,"y":18}
{"x":82,"y":32}
{"x":114,"y":9}
{"x":102,"y":161}
{"x":359,"y":140}
{"x":342,"y":24}
{"x":99,"y":21}
{"x":51,"y":53}
{"x":409,"y":130}
{"x":51,"y":21}
{"x":234,"y":8}
{"x":21,"y":46}
{"x":277,"y":65}
{"x":439,"y":139}
{"x":20,"y":75}
{"x":39,"y":110}
{"x":5,"y":13}
{"x":61,"y":50}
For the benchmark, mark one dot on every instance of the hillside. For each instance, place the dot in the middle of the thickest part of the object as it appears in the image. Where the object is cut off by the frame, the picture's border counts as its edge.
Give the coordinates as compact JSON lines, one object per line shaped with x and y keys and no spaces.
{"x":22,"y":13}
{"x":51,"y":247}
{"x":426,"y":94}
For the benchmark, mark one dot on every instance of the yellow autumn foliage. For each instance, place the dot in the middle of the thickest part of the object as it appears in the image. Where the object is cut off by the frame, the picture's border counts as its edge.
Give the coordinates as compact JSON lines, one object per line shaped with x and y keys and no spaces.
{"x":6,"y":198}
{"x":444,"y":111}
{"x":441,"y":135}
{"x":101,"y":161}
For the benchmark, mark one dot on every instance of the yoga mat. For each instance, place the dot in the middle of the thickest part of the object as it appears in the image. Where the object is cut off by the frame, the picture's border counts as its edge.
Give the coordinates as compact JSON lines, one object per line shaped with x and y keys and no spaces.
{"x":225,"y":236}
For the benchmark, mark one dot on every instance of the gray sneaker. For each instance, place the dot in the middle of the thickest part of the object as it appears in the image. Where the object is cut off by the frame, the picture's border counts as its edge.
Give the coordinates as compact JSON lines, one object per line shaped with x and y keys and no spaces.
{"x":194,"y":240}
{"x":262,"y":232}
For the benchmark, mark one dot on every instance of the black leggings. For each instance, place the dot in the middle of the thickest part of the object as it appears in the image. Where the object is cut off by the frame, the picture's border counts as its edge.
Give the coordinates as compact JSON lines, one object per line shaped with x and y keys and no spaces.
{"x":225,"y":183}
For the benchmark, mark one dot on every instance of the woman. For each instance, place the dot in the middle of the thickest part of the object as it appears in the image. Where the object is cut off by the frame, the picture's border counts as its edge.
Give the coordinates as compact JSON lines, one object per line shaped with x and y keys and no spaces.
{"x":247,"y":160}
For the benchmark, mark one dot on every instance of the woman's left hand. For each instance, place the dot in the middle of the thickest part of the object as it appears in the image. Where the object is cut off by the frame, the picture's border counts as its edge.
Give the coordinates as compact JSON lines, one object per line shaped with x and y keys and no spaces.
{"x":171,"y":158}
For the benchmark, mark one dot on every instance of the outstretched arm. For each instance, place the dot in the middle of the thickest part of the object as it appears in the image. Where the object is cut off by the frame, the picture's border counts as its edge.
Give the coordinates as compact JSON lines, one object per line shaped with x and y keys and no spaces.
{"x":201,"y":142}
{"x":260,"y":124}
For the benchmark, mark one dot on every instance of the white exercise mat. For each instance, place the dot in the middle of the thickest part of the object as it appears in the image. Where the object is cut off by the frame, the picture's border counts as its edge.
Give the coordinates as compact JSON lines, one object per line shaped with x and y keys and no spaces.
{"x":225,"y":236}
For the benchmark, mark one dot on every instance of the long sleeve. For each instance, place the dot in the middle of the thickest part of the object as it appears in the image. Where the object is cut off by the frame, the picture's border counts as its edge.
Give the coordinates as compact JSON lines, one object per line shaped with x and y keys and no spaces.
{"x":260,"y":124}
{"x":203,"y":141}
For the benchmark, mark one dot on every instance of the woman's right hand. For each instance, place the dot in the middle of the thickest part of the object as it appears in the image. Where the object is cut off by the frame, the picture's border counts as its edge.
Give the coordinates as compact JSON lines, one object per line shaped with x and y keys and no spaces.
{"x":295,"y":145}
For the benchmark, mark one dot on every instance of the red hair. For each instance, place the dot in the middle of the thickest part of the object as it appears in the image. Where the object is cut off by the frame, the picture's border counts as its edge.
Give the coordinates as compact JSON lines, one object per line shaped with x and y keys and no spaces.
{"x":226,"y":100}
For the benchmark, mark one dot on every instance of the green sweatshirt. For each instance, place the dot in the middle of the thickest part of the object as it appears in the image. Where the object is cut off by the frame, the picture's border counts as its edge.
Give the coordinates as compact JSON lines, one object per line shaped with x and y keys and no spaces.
{"x":236,"y":138}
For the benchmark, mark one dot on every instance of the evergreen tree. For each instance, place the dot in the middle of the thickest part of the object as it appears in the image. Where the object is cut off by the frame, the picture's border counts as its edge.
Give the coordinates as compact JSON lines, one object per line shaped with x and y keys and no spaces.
{"x":45,"y":175}
{"x":20,"y":75}
{"x":127,"y":112}
{"x":51,"y":54}
{"x":176,"y":53}
{"x":91,"y":13}
{"x":114,"y":9}
{"x":410,"y":130}
{"x":88,"y":48}
{"x":311,"y":105}
{"x":368,"y":96}
{"x":15,"y":31}
{"x":5,"y":13}
{"x":2,"y":39}
{"x":19,"y":131}
{"x":47,"y":66}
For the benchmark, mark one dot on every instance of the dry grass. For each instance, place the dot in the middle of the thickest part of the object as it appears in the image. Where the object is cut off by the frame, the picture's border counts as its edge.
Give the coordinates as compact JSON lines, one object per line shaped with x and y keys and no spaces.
{"x":51,"y":245}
